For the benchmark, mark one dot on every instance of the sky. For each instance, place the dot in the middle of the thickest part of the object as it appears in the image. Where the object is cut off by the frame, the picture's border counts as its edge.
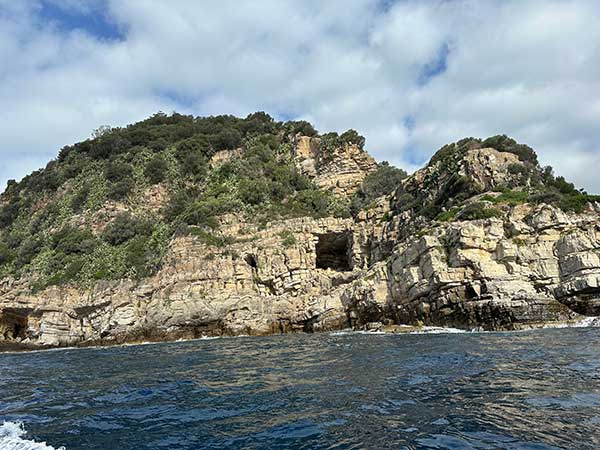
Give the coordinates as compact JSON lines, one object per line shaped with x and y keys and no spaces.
{"x":410,"y":76}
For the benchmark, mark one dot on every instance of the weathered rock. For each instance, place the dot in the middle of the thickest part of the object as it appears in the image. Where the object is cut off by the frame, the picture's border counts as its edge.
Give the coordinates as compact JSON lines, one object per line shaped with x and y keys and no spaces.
{"x":471,"y":274}
{"x":532,"y":266}
{"x":339,"y":170}
{"x":255,"y":286}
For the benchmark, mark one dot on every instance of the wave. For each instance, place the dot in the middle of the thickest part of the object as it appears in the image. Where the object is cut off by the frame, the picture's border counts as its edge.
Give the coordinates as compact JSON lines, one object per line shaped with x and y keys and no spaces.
{"x":586,"y":322}
{"x":589,"y":322}
{"x":12,"y":438}
{"x":409,"y":330}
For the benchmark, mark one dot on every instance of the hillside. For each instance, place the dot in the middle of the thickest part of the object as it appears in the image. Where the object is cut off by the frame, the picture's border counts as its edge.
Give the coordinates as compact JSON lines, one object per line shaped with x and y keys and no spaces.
{"x":180,"y":227}
{"x":108,"y":207}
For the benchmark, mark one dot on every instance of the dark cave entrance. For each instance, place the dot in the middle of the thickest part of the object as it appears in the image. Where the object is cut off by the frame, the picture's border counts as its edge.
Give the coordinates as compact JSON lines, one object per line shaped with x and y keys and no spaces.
{"x":334,"y":251}
{"x":13,"y":325}
{"x":251,"y":261}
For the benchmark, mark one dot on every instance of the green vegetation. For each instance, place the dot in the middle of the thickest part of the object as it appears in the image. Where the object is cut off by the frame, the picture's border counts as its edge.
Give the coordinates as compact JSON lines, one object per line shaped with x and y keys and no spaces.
{"x":506,"y":144}
{"x":156,"y":169}
{"x":381,"y":182}
{"x":55,"y":226}
{"x":510,"y":197}
{"x":502,"y":143}
{"x":287,"y":238}
{"x":447,"y":216}
{"x":475,"y":211}
{"x":530,"y":183}
{"x":210,"y":238}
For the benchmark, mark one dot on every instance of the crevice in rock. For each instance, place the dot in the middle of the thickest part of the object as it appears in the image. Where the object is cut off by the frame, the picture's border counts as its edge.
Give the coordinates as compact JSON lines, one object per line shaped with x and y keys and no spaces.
{"x":470,"y":292}
{"x":250,"y":259}
{"x":268,"y":285}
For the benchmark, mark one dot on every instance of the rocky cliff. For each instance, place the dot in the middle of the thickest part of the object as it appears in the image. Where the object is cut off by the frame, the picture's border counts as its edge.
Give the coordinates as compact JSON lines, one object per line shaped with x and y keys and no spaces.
{"x":482,"y":237}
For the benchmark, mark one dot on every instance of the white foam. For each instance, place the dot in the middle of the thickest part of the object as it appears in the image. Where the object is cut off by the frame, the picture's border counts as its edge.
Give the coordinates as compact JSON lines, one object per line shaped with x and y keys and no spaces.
{"x":589,"y":322}
{"x":583,"y":323}
{"x":437,"y":330}
{"x":12,"y":438}
{"x":422,"y":330}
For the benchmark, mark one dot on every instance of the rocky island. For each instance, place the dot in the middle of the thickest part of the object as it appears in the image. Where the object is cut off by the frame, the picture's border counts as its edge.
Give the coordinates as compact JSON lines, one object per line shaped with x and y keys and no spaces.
{"x":182,"y":227}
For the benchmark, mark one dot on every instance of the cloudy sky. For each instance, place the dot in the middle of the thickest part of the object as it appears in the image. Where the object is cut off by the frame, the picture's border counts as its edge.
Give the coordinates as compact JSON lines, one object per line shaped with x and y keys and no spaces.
{"x":409,"y":75}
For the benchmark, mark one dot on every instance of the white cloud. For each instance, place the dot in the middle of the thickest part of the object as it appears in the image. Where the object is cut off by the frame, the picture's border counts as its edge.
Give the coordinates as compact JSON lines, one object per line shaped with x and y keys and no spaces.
{"x":525,"y":69}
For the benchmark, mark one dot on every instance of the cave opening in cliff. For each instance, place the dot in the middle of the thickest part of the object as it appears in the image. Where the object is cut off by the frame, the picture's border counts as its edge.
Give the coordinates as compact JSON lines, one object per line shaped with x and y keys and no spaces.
{"x":334,"y":251}
{"x":12,"y":325}
{"x":251,"y":260}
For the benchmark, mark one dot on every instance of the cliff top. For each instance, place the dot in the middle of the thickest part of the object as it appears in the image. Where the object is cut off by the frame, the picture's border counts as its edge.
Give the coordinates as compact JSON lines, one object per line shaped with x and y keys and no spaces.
{"x":471,"y":178}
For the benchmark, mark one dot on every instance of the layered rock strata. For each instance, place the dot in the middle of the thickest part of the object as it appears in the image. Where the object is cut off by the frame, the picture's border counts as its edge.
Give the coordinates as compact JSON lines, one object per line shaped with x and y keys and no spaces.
{"x":531,"y":266}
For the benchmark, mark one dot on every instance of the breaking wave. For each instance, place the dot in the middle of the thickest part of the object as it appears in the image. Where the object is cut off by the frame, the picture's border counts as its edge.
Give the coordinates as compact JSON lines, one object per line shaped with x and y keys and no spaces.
{"x":582,"y":323}
{"x":399,"y":331}
{"x":12,"y":438}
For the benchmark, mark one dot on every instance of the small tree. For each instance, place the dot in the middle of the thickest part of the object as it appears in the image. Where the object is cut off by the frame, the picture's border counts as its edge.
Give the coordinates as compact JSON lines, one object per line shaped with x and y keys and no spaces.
{"x":156,"y":170}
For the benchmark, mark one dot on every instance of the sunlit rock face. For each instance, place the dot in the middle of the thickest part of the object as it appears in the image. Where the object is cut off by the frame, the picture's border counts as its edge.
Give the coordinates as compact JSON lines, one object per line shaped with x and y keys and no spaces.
{"x":340,"y":170}
{"x":529,"y":265}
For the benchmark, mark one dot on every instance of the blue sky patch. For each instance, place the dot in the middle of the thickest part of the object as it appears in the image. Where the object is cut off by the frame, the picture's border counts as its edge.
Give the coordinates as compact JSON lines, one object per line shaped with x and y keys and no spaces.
{"x":436,"y":66}
{"x":94,"y":21}
{"x":409,"y":123}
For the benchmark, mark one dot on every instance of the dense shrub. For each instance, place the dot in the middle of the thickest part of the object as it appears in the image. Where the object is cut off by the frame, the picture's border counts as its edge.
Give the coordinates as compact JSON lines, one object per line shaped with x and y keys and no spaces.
{"x":227,"y":139}
{"x":120,"y":189}
{"x":511,"y":197}
{"x":576,"y":202}
{"x":80,"y":198}
{"x":6,"y":253}
{"x":300,"y":127}
{"x":352,"y":137}
{"x":27,"y":251}
{"x":447,"y":216}
{"x":195,"y":145}
{"x":9,"y":213}
{"x":178,"y":202}
{"x":118,"y":171}
{"x":108,"y":145}
{"x":475,"y":211}
{"x":194,"y":164}
{"x":381,"y":182}
{"x":156,"y":169}
{"x":258,"y":123}
{"x":70,"y":240}
{"x":331,"y":141}
{"x":125,"y":227}
{"x":210,"y":238}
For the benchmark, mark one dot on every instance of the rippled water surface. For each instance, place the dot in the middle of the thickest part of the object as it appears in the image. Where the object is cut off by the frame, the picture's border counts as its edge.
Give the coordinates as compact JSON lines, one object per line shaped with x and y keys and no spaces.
{"x":528,"y":390}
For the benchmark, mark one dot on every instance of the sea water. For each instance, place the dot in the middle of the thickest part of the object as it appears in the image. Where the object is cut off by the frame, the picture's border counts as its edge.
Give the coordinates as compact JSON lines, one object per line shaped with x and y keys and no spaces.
{"x":520,"y":390}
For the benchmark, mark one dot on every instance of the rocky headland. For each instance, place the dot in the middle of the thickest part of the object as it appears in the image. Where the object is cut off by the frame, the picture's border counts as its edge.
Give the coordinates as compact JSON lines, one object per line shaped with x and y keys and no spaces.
{"x":481,"y":238}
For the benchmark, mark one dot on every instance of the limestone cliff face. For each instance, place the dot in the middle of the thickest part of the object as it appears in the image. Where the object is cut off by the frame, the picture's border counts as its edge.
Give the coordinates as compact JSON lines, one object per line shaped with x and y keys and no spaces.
{"x":532,"y":265}
{"x":340,"y":170}
{"x":529,"y":266}
{"x":261,"y":284}
{"x":535,"y":266}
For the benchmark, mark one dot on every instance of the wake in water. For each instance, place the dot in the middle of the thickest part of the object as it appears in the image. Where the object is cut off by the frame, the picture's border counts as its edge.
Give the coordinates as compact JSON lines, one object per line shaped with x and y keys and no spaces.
{"x":12,"y":438}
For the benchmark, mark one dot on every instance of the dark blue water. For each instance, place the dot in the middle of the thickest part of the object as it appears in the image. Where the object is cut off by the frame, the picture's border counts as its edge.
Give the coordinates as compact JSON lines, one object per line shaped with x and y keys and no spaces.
{"x":528,"y":390}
